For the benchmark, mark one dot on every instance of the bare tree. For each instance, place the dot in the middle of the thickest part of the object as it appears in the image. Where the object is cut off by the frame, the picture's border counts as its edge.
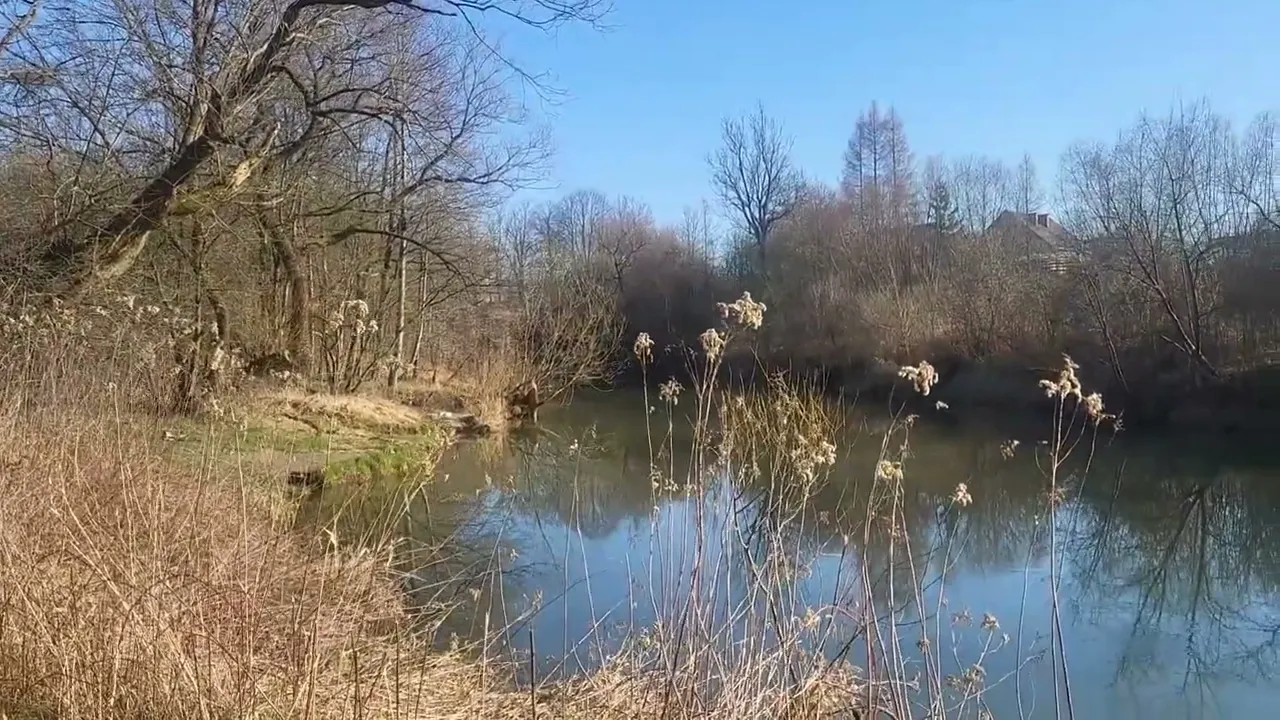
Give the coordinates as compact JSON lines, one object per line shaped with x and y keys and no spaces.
{"x":568,"y":335}
{"x":574,"y":222}
{"x":1160,"y":206}
{"x":172,"y":98}
{"x":982,"y":188}
{"x":516,"y":233}
{"x":753,"y":175}
{"x":15,"y":18}
{"x":1026,"y":187}
{"x":879,"y":170}
{"x":697,"y":230}
{"x":627,"y":229}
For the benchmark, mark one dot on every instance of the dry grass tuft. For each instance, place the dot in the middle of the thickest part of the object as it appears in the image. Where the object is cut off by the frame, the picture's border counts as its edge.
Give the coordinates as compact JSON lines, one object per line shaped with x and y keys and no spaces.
{"x":368,"y":413}
{"x":132,"y":588}
{"x":482,"y":393}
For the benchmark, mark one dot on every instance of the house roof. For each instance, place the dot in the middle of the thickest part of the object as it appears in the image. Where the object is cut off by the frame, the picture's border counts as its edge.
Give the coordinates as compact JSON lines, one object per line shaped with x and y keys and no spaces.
{"x":1038,"y":226}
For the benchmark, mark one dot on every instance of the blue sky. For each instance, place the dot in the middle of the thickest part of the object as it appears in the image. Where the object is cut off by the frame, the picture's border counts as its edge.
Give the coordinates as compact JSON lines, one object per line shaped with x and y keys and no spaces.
{"x":996,"y":77}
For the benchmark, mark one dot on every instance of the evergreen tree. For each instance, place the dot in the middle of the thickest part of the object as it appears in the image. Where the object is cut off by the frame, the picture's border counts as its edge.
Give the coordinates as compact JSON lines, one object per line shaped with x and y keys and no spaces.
{"x":942,"y":213}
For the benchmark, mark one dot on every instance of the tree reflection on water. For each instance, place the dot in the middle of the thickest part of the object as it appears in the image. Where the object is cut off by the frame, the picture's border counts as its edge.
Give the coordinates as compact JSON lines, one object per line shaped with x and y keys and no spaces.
{"x":1172,"y":558}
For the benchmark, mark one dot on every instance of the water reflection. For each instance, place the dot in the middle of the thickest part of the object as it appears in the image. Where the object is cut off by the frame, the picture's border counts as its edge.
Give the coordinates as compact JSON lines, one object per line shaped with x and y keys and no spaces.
{"x":1187,"y":553}
{"x":1170,"y":575}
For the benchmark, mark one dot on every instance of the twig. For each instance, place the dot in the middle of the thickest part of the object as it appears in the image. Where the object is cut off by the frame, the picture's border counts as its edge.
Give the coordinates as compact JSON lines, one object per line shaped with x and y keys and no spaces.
{"x":533,"y":678}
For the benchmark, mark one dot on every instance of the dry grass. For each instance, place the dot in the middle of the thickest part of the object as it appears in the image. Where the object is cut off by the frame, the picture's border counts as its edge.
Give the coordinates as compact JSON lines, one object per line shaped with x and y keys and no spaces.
{"x":481,"y":391}
{"x":136,"y":589}
{"x":361,"y":412}
{"x":132,"y":588}
{"x":136,"y":583}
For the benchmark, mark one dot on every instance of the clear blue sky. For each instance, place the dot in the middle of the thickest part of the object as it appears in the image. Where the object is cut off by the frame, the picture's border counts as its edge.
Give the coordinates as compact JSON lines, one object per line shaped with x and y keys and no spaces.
{"x":995,"y":77}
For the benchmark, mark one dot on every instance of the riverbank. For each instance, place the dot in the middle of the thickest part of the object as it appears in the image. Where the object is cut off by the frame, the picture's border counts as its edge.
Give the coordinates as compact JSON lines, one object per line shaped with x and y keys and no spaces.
{"x":1244,"y":403}
{"x":136,"y":586}
{"x":158,"y":568}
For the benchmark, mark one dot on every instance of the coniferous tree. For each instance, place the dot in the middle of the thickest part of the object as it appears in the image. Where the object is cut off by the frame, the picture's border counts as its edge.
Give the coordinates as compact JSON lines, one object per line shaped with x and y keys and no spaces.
{"x":879,"y":169}
{"x":941,"y":212}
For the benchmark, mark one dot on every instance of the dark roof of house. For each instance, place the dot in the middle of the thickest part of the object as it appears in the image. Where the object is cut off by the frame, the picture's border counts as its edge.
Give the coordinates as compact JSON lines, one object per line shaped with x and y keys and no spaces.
{"x":1032,"y":225}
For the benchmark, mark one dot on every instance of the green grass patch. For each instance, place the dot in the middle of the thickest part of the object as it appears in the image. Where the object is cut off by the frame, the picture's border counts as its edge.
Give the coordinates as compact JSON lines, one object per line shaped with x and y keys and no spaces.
{"x":396,"y":458}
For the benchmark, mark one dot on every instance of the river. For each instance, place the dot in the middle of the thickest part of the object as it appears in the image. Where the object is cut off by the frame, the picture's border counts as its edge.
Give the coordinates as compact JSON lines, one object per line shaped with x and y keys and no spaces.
{"x":1170,"y":554}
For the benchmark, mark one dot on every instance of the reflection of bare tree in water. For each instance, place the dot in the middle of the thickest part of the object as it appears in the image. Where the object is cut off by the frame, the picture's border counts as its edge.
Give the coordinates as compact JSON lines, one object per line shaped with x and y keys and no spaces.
{"x":1157,"y":552}
{"x":548,"y":490}
{"x":589,"y":484}
{"x":997,"y":530}
{"x":1202,"y":557}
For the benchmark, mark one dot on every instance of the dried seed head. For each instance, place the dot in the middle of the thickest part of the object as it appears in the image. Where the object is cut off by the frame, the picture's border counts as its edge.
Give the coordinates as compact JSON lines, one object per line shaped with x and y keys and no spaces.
{"x":922,"y":376}
{"x":889,"y":470}
{"x":644,"y":347}
{"x":712,"y":343}
{"x":744,"y":311}
{"x":669,"y":391}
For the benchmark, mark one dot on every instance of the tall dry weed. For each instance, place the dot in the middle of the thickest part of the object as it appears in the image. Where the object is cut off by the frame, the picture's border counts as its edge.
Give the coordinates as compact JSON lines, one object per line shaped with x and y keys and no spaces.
{"x":737,"y":637}
{"x":135,"y":582}
{"x":135,"y":588}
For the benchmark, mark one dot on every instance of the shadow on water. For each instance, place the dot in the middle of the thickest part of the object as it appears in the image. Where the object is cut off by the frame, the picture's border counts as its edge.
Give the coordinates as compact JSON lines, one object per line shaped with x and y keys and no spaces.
{"x":1171,"y":565}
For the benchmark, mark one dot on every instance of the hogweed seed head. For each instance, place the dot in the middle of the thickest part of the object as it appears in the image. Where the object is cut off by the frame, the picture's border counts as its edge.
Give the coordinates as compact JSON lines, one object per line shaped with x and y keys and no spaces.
{"x":744,"y":311}
{"x":922,"y":376}
{"x":1067,"y":385}
{"x":827,"y":453}
{"x":1093,"y":407}
{"x":889,"y":470}
{"x":713,"y":343}
{"x":359,"y":307}
{"x":643,"y":347}
{"x":669,"y":391}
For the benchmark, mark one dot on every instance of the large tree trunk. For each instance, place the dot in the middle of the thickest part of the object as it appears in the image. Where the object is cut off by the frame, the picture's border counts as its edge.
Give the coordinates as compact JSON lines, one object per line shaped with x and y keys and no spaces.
{"x":114,"y":249}
{"x":298,"y":323}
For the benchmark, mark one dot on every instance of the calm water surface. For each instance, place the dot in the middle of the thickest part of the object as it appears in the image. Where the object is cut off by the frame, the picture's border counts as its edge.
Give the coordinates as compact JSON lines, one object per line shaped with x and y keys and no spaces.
{"x":1170,"y":553}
